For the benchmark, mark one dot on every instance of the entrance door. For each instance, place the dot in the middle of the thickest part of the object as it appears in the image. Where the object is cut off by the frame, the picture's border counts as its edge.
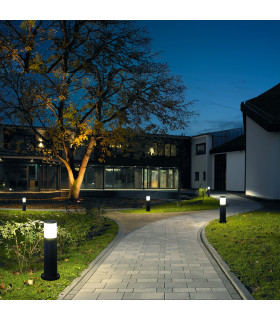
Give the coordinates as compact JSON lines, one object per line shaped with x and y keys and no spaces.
{"x":220,"y":172}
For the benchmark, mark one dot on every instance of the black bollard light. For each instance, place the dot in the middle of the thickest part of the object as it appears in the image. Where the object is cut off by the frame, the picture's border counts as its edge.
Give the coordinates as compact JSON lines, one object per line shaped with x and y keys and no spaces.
{"x":23,"y":204}
{"x":148,"y":206}
{"x":223,"y":202}
{"x":208,"y":192}
{"x":50,"y":251}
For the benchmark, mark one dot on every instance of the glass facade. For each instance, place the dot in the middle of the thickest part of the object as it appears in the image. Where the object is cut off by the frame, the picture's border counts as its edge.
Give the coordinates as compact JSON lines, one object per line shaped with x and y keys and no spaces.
{"x":126,"y":178}
{"x":31,"y":175}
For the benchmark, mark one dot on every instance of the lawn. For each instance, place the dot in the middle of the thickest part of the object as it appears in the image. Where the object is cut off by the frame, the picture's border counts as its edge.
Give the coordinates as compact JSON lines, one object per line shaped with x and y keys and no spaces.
{"x":249,"y":244}
{"x":195,"y":204}
{"x":28,"y":285}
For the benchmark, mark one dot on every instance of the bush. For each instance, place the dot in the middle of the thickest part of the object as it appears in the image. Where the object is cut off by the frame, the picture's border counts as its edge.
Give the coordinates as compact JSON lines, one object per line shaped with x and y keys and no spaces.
{"x":89,"y":224}
{"x":201,"y":192}
{"x":24,"y":241}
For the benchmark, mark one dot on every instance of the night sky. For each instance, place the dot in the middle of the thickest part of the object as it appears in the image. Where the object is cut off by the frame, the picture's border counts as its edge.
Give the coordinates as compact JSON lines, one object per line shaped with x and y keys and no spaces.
{"x":222,"y":63}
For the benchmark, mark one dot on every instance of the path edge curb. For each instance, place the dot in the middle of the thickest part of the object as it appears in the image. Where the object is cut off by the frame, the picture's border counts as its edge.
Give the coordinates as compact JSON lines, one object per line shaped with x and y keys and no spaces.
{"x":93,"y":266}
{"x":238,"y":285}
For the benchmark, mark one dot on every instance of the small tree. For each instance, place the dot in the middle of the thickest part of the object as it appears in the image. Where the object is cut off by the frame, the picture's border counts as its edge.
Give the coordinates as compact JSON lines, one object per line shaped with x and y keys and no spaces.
{"x":202,"y":192}
{"x":88,"y":85}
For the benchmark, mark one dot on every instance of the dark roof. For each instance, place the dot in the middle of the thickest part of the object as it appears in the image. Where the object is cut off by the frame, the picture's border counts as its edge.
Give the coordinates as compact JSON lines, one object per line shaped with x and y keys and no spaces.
{"x":237,"y":144}
{"x":265,"y":109}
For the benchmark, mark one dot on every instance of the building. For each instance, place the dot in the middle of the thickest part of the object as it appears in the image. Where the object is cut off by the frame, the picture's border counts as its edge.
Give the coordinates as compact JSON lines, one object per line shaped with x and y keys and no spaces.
{"x":218,"y":160}
{"x":160,"y":163}
{"x":261,"y":117}
{"x":228,"y":160}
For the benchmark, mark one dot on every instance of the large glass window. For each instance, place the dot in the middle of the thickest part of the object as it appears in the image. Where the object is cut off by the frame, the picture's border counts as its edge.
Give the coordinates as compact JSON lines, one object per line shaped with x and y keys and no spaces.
{"x":167,"y":150}
{"x":170,"y":178}
{"x":94,"y":176}
{"x":161,"y":149}
{"x":173,"y":150}
{"x":138,"y":178}
{"x":154,"y":178}
{"x":176,"y":178}
{"x":109,"y":178}
{"x":130,"y":178}
{"x":163,"y":179}
{"x":120,"y":178}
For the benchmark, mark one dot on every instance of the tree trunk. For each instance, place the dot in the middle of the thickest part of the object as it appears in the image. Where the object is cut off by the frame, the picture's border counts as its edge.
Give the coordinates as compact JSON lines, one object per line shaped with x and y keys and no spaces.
{"x":75,"y":188}
{"x":76,"y":181}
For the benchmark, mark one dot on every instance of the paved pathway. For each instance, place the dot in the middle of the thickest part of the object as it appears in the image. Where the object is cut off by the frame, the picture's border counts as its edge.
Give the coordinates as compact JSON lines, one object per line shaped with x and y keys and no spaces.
{"x":163,"y":260}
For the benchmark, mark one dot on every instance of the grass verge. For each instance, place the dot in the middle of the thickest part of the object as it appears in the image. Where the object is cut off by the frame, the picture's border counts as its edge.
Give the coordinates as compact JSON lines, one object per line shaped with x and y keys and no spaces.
{"x":249,"y":244}
{"x":195,"y":204}
{"x":29,"y":285}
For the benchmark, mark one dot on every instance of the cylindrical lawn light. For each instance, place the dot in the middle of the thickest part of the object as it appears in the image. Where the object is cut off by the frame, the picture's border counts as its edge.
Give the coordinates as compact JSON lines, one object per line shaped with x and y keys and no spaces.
{"x":50,"y":251}
{"x":208,"y":192}
{"x":223,"y":202}
{"x":23,"y":204}
{"x":148,"y":198}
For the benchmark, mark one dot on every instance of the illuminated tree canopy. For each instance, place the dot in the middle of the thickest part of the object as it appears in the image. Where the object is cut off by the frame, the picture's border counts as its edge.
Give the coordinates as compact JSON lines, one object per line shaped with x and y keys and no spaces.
{"x":88,"y":84}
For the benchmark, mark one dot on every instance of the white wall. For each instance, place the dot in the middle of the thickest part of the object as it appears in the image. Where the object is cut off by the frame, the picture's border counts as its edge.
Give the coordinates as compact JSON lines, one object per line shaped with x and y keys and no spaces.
{"x":262,"y":161}
{"x":235,"y":171}
{"x":200,"y":163}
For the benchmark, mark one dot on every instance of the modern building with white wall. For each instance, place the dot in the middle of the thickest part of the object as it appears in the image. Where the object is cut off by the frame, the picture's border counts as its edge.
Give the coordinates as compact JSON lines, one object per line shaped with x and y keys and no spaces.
{"x":261,"y":117}
{"x":218,"y":160}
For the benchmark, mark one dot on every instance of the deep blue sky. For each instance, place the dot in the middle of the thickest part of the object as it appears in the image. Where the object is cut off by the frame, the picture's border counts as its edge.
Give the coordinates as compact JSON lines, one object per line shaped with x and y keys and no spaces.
{"x":222,"y":63}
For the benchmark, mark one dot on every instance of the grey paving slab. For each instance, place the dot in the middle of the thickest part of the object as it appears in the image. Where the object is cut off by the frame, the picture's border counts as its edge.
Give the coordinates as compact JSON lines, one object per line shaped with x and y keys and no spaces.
{"x":162,"y":260}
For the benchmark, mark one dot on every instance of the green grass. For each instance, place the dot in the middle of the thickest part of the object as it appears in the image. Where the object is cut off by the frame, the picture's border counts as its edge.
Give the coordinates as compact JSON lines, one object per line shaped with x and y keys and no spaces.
{"x":250,"y":245}
{"x":195,"y":204}
{"x":14,"y":286}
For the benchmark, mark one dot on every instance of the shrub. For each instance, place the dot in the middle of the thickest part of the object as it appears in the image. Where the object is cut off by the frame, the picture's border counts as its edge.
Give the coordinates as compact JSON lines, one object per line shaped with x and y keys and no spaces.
{"x":84,"y":226}
{"x":201,"y":192}
{"x":24,"y":241}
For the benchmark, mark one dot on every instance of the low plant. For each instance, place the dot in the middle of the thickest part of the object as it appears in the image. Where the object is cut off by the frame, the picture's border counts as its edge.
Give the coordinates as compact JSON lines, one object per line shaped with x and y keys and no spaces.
{"x":90,"y":223}
{"x":23,"y":241}
{"x":201,"y":192}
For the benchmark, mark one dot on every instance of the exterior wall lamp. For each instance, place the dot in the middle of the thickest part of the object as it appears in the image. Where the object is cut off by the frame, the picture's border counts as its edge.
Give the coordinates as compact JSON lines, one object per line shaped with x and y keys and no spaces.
{"x":148,"y":206}
{"x":50,"y":251}
{"x":223,"y":203}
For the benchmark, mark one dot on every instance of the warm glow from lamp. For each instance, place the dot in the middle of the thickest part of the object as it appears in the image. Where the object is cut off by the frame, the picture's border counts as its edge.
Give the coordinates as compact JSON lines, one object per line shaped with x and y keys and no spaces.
{"x":24,"y":200}
{"x":50,"y":229}
{"x":223,"y":201}
{"x":148,"y":198}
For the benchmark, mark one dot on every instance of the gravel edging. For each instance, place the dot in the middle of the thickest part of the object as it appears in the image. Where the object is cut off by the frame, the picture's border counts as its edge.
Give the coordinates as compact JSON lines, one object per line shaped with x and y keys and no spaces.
{"x":237,"y":284}
{"x":70,"y":291}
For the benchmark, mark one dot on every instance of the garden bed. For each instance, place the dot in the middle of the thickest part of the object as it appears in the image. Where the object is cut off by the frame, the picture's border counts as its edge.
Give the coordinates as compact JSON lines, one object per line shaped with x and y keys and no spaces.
{"x":72,"y":259}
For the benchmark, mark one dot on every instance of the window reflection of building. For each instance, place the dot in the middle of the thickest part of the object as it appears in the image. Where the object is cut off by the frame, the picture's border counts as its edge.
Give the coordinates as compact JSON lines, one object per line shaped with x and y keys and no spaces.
{"x":127,"y":178}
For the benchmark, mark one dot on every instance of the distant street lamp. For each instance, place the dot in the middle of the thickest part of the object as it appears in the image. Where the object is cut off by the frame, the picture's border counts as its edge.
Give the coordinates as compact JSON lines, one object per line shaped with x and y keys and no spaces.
{"x":23,"y":204}
{"x":148,"y":206}
{"x":208,"y":192}
{"x":50,"y":251}
{"x":223,"y":202}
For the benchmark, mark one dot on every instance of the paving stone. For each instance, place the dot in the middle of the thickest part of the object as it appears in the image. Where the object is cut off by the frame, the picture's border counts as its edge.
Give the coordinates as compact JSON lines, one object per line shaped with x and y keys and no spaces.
{"x":143,"y":296}
{"x":110,"y":296}
{"x":210,"y":296}
{"x":177,"y":296}
{"x":86,"y":296}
